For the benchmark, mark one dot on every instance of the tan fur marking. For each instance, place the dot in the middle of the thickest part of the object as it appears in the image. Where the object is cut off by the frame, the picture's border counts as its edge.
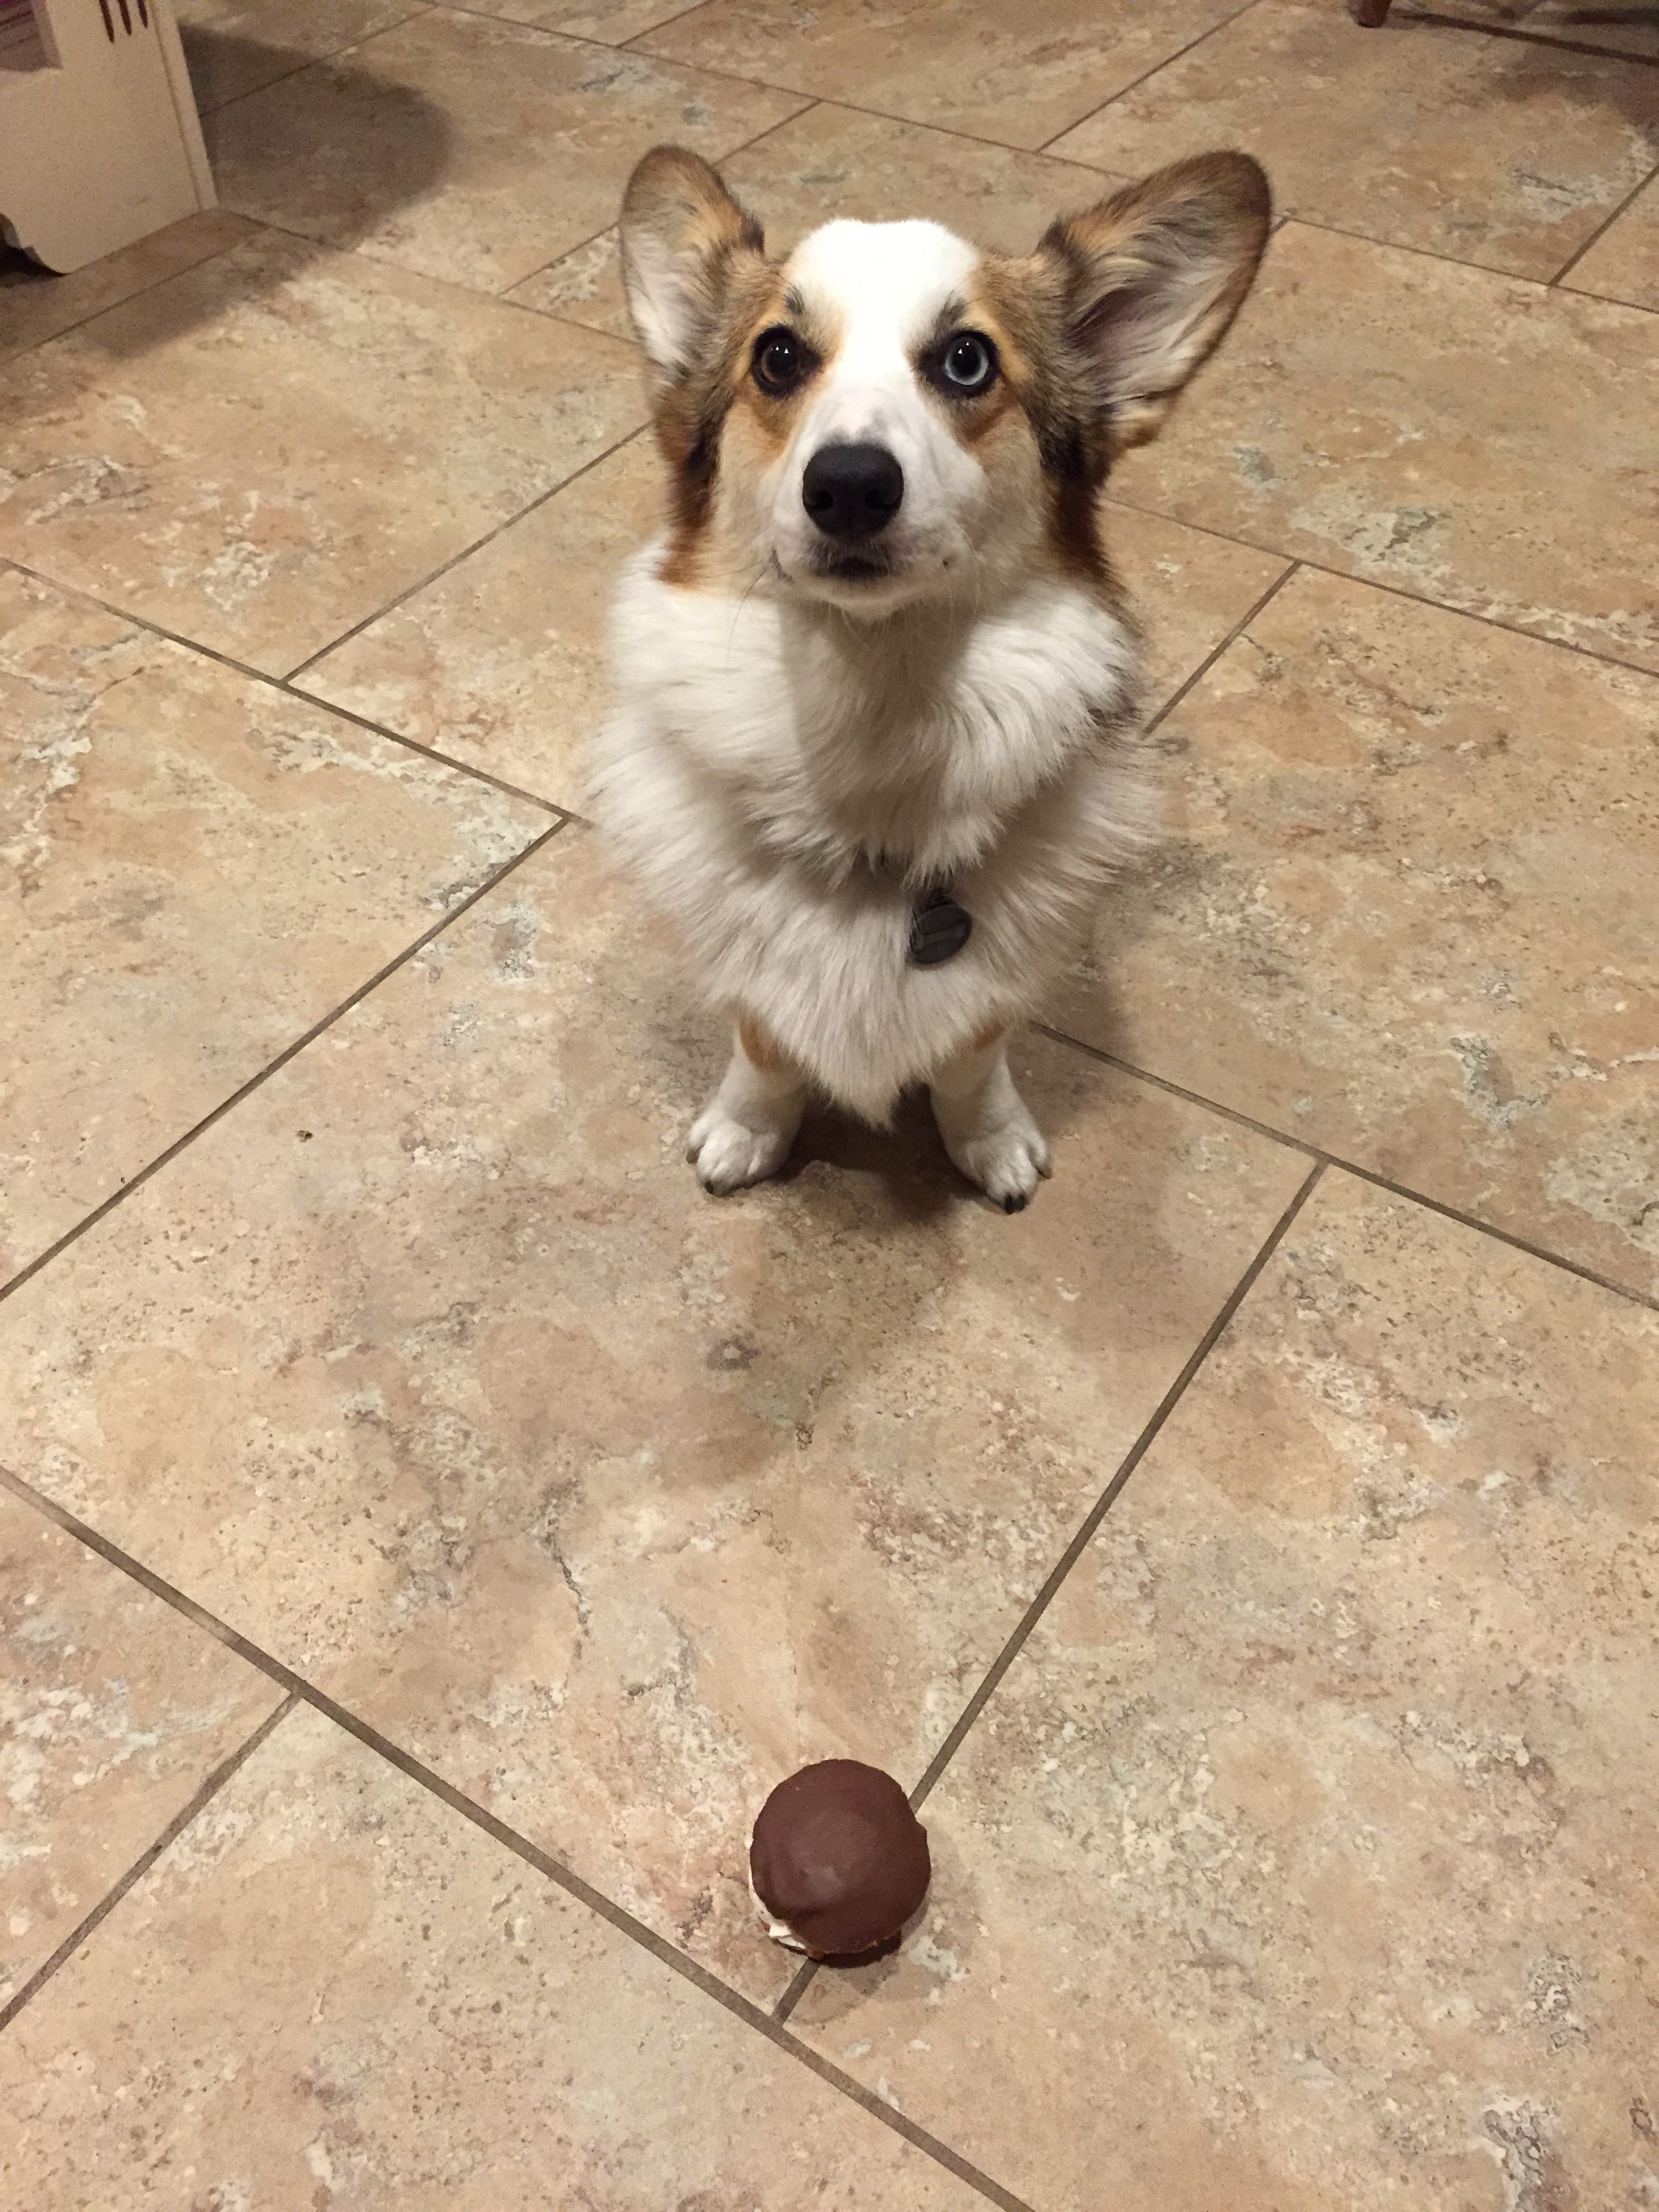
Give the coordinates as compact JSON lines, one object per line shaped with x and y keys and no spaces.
{"x":987,"y":1037}
{"x":760,"y":1046}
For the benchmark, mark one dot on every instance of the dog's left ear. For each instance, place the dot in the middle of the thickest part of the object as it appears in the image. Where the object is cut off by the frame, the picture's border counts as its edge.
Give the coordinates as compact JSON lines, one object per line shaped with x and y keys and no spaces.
{"x":682,"y":236}
{"x":1151,"y":278}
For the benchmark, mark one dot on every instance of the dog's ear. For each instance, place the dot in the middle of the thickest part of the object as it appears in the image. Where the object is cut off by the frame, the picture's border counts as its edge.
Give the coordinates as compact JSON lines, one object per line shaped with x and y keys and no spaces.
{"x":683,"y":234}
{"x":1151,"y":278}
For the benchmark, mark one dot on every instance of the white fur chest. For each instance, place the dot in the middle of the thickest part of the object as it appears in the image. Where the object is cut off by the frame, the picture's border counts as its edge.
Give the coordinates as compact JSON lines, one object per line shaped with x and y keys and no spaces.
{"x":782,"y":785}
{"x":837,"y":741}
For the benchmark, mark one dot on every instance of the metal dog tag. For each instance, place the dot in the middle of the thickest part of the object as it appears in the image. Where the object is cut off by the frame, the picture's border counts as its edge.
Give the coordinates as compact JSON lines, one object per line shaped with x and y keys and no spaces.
{"x":939,"y":930}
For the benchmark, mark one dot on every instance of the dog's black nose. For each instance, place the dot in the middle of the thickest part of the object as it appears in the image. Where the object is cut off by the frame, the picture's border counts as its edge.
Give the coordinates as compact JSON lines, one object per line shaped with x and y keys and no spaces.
{"x":852,"y":491}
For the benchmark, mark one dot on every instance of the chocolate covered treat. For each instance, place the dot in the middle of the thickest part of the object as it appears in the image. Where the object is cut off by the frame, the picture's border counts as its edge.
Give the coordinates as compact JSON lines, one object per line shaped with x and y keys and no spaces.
{"x":838,"y":1860}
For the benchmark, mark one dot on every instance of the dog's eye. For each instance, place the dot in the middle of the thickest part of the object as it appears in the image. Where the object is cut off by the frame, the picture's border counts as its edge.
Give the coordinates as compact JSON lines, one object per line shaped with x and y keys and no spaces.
{"x":781,"y":361}
{"x":969,"y":363}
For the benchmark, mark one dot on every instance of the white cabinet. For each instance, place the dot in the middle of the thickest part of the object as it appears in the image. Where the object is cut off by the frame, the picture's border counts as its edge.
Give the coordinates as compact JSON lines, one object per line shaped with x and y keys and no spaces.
{"x":100,"y":143}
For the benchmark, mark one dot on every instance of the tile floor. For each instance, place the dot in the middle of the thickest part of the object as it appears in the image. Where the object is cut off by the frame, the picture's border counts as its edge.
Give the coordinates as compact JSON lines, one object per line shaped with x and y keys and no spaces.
{"x":429,"y":1525}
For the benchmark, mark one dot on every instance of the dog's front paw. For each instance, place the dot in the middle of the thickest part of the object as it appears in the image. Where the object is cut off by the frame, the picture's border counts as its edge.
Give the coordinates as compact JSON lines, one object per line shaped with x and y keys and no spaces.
{"x":994,"y":1140}
{"x":1007,"y":1163}
{"x":727,"y":1154}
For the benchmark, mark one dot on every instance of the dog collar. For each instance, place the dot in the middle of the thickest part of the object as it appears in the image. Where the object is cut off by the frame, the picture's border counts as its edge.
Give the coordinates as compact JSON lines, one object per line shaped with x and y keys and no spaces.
{"x":938,"y":929}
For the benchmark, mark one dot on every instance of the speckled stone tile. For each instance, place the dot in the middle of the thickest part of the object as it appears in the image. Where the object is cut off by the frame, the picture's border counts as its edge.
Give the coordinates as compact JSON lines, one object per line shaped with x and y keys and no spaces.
{"x":467,"y":147}
{"x":1307,"y":1842}
{"x":1624,"y":262}
{"x":1622,"y":27}
{"x":501,"y":661}
{"x":614,"y":1503}
{"x":262,"y":452}
{"x":235,"y":46}
{"x":1014,"y":75}
{"x":611,"y":21}
{"x":1485,"y":149}
{"x":833,"y":162}
{"x":36,"y":304}
{"x":1186,"y":590}
{"x":198,"y":868}
{"x":114,"y":1710}
{"x":1409,"y":913}
{"x":1471,"y":438}
{"x":331,"y":1990}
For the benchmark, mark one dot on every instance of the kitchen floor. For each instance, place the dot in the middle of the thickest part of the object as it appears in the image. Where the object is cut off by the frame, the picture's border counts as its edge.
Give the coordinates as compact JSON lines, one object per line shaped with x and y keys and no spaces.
{"x":430,"y":1525}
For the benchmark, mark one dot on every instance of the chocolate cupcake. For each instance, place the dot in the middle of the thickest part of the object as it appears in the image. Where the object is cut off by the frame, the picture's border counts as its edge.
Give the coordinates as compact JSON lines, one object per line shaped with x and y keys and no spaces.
{"x":838,"y":1860}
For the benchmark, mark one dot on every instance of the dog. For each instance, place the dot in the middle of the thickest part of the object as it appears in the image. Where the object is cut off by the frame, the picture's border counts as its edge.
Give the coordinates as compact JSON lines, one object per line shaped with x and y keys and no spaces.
{"x":872,"y":752}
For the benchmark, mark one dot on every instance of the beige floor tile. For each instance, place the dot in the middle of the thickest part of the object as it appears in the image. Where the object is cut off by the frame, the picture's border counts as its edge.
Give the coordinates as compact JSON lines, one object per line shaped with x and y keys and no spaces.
{"x":501,"y":661}
{"x":333,"y":1990}
{"x":1409,"y":913}
{"x":1483,"y":148}
{"x":265,"y":450}
{"x":1014,"y":75}
{"x":235,"y":46}
{"x":582,"y":286}
{"x":1469,"y":437}
{"x":1624,"y":263}
{"x":466,"y":147}
{"x":114,"y":1710}
{"x":200,"y":867}
{"x":615,"y":1503}
{"x":834,"y":162}
{"x":1624,"y":26}
{"x":35,"y":305}
{"x":1306,"y":1843}
{"x":611,"y":21}
{"x":1186,"y":589}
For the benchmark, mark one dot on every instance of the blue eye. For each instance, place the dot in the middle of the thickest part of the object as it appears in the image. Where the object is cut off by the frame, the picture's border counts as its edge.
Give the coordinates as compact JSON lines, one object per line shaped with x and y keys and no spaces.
{"x":968,"y":364}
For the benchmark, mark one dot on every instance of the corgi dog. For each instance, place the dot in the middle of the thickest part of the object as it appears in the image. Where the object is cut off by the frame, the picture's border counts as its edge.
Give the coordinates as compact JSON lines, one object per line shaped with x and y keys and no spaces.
{"x":872,"y":752}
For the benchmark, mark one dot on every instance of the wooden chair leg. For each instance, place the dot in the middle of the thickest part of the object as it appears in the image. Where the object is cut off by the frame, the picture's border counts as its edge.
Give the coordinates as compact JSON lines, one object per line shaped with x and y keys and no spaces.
{"x":1369,"y":15}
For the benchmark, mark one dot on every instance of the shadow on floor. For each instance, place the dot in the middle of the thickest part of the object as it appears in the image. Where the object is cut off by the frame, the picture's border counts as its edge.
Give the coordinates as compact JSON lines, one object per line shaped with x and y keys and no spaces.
{"x":392,"y":169}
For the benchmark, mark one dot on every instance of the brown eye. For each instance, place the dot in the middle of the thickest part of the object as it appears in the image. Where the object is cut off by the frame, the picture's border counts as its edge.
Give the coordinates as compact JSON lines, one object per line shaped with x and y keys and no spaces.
{"x":967,"y":365}
{"x":781,"y":361}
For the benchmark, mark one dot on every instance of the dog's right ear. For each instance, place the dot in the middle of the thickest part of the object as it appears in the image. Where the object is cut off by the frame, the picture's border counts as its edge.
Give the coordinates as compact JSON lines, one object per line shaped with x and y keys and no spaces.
{"x":682,"y":236}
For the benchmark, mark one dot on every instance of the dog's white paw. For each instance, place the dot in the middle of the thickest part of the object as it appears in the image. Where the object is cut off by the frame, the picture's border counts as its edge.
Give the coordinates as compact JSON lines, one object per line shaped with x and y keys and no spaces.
{"x":727,"y":1154}
{"x":1007,"y":1163}
{"x":994,"y":1140}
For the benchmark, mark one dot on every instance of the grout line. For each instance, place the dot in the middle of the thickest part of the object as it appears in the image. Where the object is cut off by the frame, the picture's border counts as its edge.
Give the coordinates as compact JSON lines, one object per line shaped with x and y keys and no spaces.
{"x":554,"y":1869}
{"x":305,"y":698}
{"x":824,"y":98}
{"x":306,"y":61}
{"x":137,"y":293}
{"x":505,"y":296}
{"x":1305,"y":221}
{"x":1372,"y":1175}
{"x":747,"y":146}
{"x":361,"y":251}
{"x":467,"y":551}
{"x":1137,"y":1451}
{"x":142,"y":1865}
{"x":1167,"y":62}
{"x":1396,"y":591}
{"x":663,"y":61}
{"x":1421,"y":252}
{"x":1525,"y":37}
{"x":1600,"y":231}
{"x":1233,"y":1114}
{"x":1230,"y":639}
{"x":805,"y":1975}
{"x":290,"y":1051}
